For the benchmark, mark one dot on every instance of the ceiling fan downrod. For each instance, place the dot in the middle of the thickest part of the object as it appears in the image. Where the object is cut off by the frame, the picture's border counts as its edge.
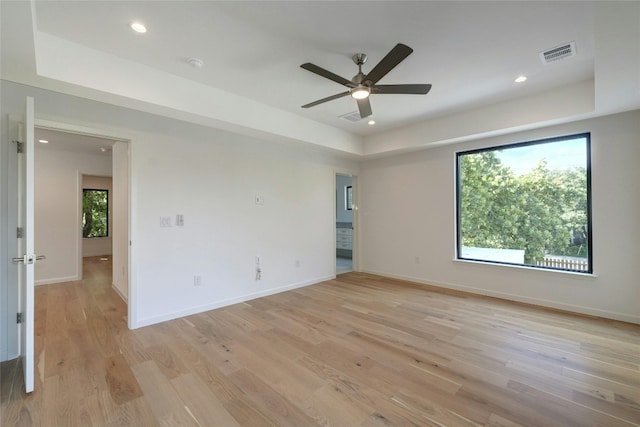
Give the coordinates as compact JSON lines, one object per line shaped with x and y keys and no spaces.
{"x":359,"y":59}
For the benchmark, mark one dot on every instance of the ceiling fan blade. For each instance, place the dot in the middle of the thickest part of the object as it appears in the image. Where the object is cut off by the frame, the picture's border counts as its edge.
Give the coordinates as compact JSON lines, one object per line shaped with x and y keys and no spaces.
{"x":326,"y":74}
{"x":328,"y":98}
{"x":365,"y":108}
{"x":402,"y":89}
{"x":388,"y":63}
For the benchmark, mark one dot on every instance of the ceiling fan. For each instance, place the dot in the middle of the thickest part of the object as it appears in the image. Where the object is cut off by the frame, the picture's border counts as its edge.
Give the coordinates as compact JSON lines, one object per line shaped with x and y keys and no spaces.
{"x":362,"y":85}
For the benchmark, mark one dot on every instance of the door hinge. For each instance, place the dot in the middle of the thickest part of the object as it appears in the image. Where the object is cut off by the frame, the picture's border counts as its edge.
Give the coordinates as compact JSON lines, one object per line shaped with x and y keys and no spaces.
{"x":20,"y":233}
{"x":19,"y":146}
{"x":18,"y":317}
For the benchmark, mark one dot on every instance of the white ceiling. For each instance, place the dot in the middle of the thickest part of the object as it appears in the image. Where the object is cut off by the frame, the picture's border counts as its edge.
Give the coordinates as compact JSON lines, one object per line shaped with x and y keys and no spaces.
{"x":72,"y":142}
{"x":470,"y":52}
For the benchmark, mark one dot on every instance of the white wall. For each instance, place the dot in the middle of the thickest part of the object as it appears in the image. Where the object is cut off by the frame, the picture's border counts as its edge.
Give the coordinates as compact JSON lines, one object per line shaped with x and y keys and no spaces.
{"x":212,"y":180}
{"x":407,"y":210}
{"x":57,"y":202}
{"x":99,"y":246}
{"x":120,"y":209}
{"x":8,"y":246}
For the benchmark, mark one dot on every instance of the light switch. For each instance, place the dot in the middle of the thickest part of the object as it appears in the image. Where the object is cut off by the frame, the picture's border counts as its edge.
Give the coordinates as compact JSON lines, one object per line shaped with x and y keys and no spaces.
{"x":179,"y":220}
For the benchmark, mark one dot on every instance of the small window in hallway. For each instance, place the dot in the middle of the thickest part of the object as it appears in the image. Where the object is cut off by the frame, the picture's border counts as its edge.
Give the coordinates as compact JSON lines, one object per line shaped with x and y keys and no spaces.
{"x":348,"y":197}
{"x":95,"y":213}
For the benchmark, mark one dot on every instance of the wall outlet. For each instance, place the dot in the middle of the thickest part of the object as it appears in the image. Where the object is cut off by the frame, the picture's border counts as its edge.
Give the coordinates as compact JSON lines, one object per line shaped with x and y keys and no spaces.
{"x":258,"y":268}
{"x":197,"y":280}
{"x":297,"y":263}
{"x":165,"y":221}
{"x":416,"y":260}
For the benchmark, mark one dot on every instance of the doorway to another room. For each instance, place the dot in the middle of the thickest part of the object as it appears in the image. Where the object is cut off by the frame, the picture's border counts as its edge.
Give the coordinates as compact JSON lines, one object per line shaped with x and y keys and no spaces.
{"x":81,"y":207}
{"x":344,"y":223}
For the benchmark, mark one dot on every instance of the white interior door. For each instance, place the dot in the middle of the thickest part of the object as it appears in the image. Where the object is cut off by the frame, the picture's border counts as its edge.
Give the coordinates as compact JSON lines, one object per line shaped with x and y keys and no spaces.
{"x":26,"y":257}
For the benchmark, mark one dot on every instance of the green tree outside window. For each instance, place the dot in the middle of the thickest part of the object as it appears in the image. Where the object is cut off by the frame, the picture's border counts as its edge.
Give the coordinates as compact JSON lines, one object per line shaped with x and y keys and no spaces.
{"x":95,"y":213}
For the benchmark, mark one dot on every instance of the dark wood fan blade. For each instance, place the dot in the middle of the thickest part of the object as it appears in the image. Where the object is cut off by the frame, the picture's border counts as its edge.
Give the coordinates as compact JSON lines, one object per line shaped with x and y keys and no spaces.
{"x":365,"y":108}
{"x":328,"y":98}
{"x":388,"y":63}
{"x":402,"y":89}
{"x":326,"y":74}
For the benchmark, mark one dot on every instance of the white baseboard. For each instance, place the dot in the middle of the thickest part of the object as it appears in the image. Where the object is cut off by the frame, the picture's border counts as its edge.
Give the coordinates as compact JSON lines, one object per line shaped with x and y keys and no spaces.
{"x":5,"y":355}
{"x":53,"y":280}
{"x":120,"y":294}
{"x":223,"y":303}
{"x":518,"y":298}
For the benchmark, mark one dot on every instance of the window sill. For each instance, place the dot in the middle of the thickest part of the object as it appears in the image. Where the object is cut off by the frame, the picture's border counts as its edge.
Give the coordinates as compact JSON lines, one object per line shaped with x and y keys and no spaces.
{"x":524,"y":267}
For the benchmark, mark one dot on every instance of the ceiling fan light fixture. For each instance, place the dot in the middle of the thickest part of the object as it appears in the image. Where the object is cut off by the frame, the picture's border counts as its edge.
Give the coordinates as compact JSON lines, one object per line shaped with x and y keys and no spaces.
{"x":360,"y":92}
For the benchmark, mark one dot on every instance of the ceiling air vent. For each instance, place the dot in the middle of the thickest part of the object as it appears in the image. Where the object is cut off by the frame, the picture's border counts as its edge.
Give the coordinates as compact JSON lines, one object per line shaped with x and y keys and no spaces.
{"x":560,"y":52}
{"x":353,"y":116}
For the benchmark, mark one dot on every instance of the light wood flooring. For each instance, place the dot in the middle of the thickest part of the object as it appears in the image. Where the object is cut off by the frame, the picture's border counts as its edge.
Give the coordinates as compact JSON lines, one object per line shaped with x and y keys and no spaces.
{"x":360,"y":350}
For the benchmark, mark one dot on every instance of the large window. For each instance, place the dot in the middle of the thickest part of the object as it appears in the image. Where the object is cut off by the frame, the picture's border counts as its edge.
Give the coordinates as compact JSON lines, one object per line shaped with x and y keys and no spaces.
{"x":95,"y":213}
{"x":527,"y":204}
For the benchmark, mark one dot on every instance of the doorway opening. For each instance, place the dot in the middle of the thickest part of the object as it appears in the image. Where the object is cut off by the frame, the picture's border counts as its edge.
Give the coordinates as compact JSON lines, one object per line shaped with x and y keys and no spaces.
{"x":345,"y":208}
{"x":81,"y":206}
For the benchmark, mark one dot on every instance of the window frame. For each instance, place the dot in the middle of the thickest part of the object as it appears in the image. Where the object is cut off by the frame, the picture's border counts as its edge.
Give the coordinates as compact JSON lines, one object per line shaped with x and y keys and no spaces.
{"x":458,"y":200}
{"x":348,"y":197}
{"x":84,"y":190}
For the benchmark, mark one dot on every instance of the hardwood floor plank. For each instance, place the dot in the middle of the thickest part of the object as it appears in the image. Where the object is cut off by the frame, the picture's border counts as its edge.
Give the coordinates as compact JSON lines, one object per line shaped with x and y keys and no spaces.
{"x":99,"y":329}
{"x":123,"y":386}
{"x":215,"y":352}
{"x":14,"y":410}
{"x":60,"y":400}
{"x":232,"y":397}
{"x":281,"y":410}
{"x":293,"y":380}
{"x":202,"y":404}
{"x":432,"y":413}
{"x":134,"y":413}
{"x":58,"y":357}
{"x":165,"y":359}
{"x":498,"y":421}
{"x":329,"y":405}
{"x":165,"y":403}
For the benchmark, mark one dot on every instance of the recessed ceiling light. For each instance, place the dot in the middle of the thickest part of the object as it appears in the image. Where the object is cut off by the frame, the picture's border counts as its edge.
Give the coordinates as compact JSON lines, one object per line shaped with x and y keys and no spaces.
{"x":520,"y":79}
{"x":371,"y":122}
{"x":44,"y":141}
{"x":138,"y":27}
